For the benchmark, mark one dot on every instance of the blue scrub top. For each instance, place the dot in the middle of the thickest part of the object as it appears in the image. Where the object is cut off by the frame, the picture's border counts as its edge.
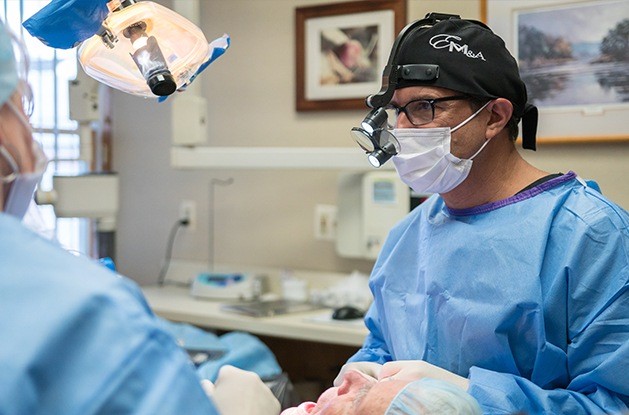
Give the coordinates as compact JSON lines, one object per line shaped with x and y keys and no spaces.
{"x":527,"y":297}
{"x":80,"y":339}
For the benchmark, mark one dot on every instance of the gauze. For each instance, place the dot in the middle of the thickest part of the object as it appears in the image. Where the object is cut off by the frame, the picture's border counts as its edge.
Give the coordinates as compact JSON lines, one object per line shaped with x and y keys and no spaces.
{"x":425,"y":163}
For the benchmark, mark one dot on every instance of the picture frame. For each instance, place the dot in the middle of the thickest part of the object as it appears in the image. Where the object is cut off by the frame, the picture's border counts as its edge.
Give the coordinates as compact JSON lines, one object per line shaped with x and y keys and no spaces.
{"x":341,"y":50}
{"x":582,"y":96}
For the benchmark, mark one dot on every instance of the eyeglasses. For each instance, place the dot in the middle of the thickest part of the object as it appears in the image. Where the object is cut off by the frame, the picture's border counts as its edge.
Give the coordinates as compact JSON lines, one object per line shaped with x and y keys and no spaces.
{"x":25,"y":90}
{"x":419,"y":111}
{"x":23,"y":64}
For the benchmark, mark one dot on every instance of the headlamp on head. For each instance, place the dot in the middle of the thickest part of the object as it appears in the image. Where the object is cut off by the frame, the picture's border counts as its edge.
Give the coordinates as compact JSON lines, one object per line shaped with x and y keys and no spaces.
{"x":445,"y":51}
{"x":374,"y":136}
{"x":393,"y":72}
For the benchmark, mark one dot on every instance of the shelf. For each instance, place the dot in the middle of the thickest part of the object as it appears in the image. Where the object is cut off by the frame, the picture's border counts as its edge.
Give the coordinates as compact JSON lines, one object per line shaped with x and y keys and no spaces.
{"x":270,"y":158}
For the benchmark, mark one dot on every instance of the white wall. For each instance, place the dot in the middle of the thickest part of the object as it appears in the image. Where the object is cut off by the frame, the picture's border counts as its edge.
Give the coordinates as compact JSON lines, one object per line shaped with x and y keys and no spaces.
{"x":265,"y":217}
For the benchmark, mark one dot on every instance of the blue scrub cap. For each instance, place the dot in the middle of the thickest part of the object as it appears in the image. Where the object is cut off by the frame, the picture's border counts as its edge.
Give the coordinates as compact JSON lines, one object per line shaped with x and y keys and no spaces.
{"x":8,"y":68}
{"x":430,"y":396}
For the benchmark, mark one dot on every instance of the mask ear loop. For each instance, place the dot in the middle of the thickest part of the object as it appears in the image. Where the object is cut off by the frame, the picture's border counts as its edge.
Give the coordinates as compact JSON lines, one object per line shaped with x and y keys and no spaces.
{"x":465,"y":121}
{"x":12,"y":164}
{"x":3,"y":150}
{"x":468,"y":120}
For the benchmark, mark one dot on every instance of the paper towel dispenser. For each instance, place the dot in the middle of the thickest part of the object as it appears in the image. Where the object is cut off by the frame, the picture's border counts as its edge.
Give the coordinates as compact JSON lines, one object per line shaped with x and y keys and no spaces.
{"x":368,"y":205}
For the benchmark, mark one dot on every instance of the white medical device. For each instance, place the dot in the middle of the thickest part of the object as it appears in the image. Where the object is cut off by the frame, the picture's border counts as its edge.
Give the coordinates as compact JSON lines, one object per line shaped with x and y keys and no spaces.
{"x":369,"y":204}
{"x":88,"y":195}
{"x":223,"y":286}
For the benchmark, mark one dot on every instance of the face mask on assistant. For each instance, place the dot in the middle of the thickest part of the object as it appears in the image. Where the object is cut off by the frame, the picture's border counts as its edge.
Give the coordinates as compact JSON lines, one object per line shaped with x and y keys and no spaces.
{"x":21,"y":185}
{"x":424,"y":161}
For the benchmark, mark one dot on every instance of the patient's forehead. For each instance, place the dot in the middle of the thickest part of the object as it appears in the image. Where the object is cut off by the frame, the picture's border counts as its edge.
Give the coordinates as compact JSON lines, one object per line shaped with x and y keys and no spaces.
{"x":379,"y":397}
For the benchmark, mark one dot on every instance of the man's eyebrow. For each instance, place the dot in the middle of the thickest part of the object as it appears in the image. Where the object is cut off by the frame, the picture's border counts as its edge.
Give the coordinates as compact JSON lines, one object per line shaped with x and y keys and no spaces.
{"x":424,"y":97}
{"x":360,"y":396}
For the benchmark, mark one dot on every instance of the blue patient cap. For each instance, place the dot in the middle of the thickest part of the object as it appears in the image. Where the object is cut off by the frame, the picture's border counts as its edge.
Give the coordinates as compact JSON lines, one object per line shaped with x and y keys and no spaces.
{"x":432,"y":397}
{"x":8,"y":69}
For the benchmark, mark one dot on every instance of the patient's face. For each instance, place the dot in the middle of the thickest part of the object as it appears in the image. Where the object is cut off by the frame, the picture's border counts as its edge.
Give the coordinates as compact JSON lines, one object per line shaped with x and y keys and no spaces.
{"x":358,"y":394}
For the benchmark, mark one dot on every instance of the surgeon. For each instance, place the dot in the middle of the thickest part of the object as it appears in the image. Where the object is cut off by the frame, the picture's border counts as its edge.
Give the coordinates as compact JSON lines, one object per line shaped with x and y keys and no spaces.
{"x":509,"y":282}
{"x":361,"y":394}
{"x":77,"y":338}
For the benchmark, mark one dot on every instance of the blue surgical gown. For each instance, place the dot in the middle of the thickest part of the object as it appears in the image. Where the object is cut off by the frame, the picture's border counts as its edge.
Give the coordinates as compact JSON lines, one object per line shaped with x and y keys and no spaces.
{"x":526,"y":297}
{"x":78,"y":339}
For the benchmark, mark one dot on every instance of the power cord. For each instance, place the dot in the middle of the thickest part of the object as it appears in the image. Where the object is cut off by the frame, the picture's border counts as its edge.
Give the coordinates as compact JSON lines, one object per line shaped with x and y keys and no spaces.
{"x":169,"y":249}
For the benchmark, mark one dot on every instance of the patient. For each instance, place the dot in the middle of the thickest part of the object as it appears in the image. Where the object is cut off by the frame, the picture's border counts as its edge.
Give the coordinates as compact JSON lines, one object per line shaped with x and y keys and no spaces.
{"x":361,"y":394}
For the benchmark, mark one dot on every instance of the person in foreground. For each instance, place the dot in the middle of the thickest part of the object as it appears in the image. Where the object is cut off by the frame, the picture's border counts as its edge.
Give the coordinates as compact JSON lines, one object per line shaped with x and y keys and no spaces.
{"x":509,"y":281}
{"x":362,"y":394}
{"x":77,"y":338}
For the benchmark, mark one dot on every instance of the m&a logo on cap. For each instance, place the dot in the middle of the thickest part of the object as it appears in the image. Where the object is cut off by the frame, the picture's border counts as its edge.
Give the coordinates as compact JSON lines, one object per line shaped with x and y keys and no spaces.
{"x":448,"y":41}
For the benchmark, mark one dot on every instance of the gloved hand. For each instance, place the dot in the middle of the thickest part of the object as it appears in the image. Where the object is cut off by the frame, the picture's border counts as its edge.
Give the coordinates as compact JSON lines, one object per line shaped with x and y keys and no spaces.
{"x":368,"y":368}
{"x":418,"y":369}
{"x":241,"y":392}
{"x":208,"y":387}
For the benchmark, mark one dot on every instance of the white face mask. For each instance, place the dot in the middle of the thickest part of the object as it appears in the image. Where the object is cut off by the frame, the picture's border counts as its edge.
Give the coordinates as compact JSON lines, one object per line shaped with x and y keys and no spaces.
{"x":425,"y":163}
{"x":22,"y":185}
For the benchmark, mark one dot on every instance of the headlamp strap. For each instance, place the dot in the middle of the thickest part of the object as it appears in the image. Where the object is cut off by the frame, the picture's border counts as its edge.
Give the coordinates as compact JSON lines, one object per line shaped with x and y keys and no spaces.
{"x":419,"y":72}
{"x":392,"y":73}
{"x":529,"y":126}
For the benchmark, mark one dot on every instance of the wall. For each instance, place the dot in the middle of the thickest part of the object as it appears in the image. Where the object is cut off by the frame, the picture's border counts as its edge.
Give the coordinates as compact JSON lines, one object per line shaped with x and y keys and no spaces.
{"x":265,"y":217}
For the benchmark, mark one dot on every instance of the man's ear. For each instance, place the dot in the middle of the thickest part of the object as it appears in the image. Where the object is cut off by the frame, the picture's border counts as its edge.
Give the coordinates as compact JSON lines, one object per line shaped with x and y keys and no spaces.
{"x":501,"y":110}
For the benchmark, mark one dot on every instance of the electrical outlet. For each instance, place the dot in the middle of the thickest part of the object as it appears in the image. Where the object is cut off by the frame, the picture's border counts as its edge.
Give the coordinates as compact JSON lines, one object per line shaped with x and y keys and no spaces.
{"x":325,"y":222}
{"x":188,"y":210}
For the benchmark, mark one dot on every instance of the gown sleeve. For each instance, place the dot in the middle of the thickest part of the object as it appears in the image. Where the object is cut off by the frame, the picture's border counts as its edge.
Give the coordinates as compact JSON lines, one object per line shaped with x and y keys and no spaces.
{"x":79,"y":339}
{"x":374,"y":349}
{"x":118,"y":360}
{"x":598,"y":357}
{"x":597,"y":347}
{"x":156,"y":379}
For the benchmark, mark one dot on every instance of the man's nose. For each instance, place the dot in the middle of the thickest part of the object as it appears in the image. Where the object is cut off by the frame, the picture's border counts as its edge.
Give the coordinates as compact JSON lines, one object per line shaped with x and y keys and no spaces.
{"x":352,"y":379}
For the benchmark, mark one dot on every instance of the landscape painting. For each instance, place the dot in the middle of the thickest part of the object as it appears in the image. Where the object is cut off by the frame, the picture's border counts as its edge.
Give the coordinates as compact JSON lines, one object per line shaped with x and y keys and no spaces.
{"x":575,"y":55}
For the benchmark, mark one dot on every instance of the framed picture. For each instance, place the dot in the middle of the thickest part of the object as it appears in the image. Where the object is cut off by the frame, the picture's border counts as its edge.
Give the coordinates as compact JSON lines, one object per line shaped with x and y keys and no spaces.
{"x":341,"y":50}
{"x":574,"y":59}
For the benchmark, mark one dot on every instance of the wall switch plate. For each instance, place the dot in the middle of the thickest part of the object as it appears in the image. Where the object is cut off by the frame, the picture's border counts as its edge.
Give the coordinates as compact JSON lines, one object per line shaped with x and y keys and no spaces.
{"x":325,"y":222}
{"x":188,"y":210}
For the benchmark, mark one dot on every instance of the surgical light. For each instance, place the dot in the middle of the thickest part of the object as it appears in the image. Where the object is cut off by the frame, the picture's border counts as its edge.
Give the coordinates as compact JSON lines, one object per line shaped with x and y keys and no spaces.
{"x":144,"y":49}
